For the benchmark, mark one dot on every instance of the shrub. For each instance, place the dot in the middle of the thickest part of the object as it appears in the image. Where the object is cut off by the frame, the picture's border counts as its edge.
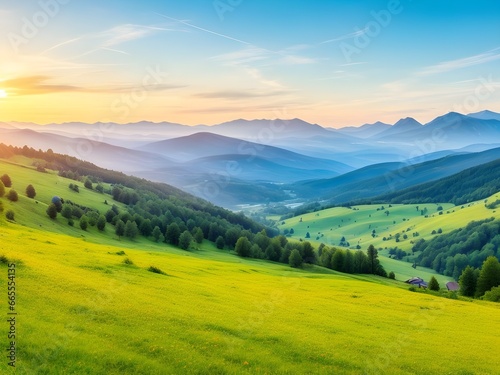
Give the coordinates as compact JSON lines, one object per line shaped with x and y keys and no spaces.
{"x":4,"y":259}
{"x":71,"y":222}
{"x":492,"y":295}
{"x":128,"y":261}
{"x":30,"y":191}
{"x":392,"y":275}
{"x":156,"y":270}
{"x":6,"y":180}
{"x":2,"y":189}
{"x":12,"y":196}
{"x":10,"y":215}
{"x":52,"y":211}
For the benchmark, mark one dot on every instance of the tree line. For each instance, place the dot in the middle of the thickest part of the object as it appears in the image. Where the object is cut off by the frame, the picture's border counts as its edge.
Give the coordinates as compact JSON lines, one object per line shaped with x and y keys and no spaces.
{"x":451,"y":253}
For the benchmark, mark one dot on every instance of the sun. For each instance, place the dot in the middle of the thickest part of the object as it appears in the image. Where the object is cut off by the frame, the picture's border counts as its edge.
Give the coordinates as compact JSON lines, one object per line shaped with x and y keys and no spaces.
{"x":3,"y":94}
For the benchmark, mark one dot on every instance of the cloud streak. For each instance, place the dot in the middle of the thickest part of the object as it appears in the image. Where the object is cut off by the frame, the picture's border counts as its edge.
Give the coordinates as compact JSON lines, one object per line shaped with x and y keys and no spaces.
{"x":40,"y":85}
{"x":346,"y":36}
{"x":449,"y":66}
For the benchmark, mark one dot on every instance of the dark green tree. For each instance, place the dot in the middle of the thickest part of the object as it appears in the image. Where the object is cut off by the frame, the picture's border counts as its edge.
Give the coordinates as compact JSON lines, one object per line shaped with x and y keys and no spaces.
{"x":157,"y":233}
{"x":84,"y":222}
{"x":489,"y":276}
{"x":120,"y":228}
{"x":468,"y":281}
{"x":10,"y":215}
{"x":52,"y":211}
{"x":392,"y":275}
{"x":219,"y":242}
{"x":88,"y":184}
{"x":30,"y":191}
{"x":373,"y":261}
{"x":146,"y":228}
{"x":101,"y":223}
{"x":172,"y":234}
{"x":67,"y":211}
{"x":307,"y":253}
{"x":131,"y":230}
{"x":198,"y":235}
{"x":185,"y":240}
{"x":6,"y":180}
{"x":295,"y":259}
{"x":243,"y":246}
{"x":12,"y":196}
{"x":433,"y":284}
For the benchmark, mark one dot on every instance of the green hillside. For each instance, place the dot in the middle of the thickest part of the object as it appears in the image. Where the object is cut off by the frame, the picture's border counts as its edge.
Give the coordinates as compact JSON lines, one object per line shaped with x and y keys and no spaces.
{"x":357,"y":223}
{"x":88,"y":304}
{"x":83,"y":311}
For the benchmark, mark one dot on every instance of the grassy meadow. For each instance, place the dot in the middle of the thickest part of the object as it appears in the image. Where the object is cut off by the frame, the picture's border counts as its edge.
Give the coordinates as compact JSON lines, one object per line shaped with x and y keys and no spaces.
{"x":83,"y":311}
{"x":87,"y":304}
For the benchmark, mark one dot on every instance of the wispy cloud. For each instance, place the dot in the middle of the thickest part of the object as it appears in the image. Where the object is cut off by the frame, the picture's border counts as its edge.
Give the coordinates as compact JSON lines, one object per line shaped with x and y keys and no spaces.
{"x":41,"y":84}
{"x":112,"y":37}
{"x":203,"y":29}
{"x":448,"y":66}
{"x":238,"y":94}
{"x":356,"y":33}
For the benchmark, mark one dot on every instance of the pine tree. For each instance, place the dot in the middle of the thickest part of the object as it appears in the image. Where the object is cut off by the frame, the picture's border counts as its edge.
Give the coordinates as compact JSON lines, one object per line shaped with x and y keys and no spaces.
{"x":433,"y":284}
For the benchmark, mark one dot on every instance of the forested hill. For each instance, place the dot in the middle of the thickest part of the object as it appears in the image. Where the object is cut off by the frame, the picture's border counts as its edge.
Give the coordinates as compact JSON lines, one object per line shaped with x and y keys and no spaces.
{"x":158,"y":196}
{"x":470,"y":185}
{"x":451,"y":253}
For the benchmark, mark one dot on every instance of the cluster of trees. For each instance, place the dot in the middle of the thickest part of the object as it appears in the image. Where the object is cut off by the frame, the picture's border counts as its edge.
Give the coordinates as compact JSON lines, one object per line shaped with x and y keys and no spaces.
{"x":451,"y":253}
{"x":351,"y":261}
{"x":482,"y":283}
{"x":6,"y":182}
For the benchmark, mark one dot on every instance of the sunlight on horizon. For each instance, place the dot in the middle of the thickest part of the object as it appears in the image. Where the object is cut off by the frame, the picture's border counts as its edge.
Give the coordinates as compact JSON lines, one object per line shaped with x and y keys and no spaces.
{"x":3,"y":94}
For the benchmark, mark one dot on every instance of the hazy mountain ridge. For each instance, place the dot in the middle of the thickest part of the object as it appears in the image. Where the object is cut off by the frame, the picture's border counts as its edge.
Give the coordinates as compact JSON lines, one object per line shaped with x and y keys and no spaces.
{"x":252,"y":153}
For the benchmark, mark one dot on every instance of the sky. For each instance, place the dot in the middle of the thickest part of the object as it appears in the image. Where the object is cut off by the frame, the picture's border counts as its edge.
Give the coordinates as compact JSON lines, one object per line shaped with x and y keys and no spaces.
{"x":336,"y":63}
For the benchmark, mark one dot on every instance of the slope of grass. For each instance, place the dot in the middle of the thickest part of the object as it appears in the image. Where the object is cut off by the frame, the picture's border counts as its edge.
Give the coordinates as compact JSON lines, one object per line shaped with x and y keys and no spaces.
{"x":83,"y":311}
{"x":357,"y":223}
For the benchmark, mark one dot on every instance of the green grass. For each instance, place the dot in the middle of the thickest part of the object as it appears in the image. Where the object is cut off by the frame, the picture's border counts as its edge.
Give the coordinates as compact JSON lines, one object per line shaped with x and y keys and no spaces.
{"x":357,"y":223}
{"x":82,"y":310}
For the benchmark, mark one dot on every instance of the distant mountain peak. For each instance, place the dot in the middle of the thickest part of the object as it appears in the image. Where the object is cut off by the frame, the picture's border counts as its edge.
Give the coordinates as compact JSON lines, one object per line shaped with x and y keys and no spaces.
{"x":485,"y":115}
{"x":408,"y":123}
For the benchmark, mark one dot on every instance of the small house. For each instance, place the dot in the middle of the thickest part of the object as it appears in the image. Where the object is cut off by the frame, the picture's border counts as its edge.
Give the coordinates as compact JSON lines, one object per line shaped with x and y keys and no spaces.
{"x":452,"y":286}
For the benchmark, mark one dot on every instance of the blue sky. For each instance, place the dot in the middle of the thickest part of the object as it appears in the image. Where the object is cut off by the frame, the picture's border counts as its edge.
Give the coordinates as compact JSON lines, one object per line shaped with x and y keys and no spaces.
{"x":335,"y":63}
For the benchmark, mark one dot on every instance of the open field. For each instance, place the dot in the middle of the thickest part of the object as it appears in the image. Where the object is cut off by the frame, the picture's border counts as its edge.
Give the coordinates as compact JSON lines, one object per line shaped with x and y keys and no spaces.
{"x":82,"y":311}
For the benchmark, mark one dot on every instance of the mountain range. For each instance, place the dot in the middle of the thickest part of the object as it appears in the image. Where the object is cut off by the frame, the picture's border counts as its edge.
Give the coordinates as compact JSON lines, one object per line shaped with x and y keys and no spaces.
{"x":255,"y":161}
